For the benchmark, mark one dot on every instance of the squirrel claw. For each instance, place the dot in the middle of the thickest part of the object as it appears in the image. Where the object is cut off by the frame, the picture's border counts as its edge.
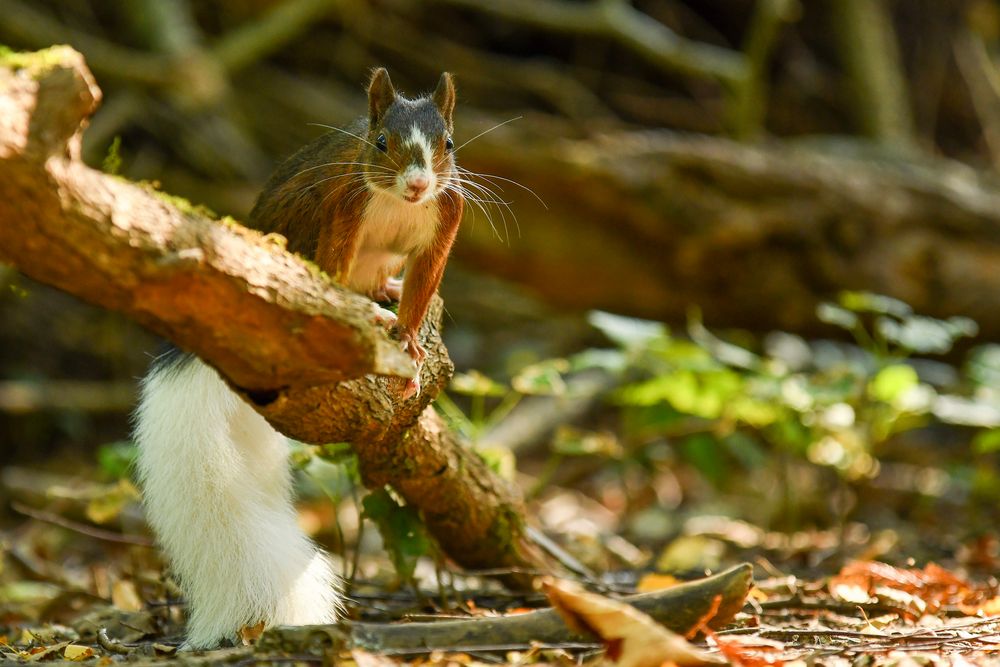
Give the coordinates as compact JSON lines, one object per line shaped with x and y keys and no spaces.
{"x":393,"y":288}
{"x":411,"y":387}
{"x":411,"y":345}
{"x":383,"y":316}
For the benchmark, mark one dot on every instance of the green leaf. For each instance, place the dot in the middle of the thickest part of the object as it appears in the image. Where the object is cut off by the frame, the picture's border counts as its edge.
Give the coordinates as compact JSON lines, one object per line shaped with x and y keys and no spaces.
{"x":626,"y":331}
{"x":700,"y":394}
{"x":571,"y":441}
{"x":402,"y":531}
{"x":754,"y":412}
{"x":926,"y":335}
{"x":868,"y":302}
{"x":837,"y":316}
{"x":983,"y":366}
{"x":335,"y":452}
{"x":474,"y":383}
{"x":684,"y":354}
{"x":890,"y":383}
{"x":115,"y":458}
{"x":613,"y":361}
{"x":703,"y":452}
{"x":544,"y":378}
{"x":500,"y":460}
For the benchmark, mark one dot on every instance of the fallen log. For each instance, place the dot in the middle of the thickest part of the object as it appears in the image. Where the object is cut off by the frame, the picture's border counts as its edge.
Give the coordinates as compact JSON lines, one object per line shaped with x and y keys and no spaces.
{"x":655,"y":223}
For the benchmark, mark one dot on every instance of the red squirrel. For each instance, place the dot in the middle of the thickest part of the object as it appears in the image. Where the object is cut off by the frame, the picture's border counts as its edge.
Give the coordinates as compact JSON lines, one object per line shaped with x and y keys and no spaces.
{"x":363,"y":203}
{"x":381,"y":197}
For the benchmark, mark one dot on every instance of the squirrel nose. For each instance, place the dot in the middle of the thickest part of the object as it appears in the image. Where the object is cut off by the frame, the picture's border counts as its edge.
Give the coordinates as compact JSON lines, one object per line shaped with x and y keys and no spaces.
{"x":417,"y":183}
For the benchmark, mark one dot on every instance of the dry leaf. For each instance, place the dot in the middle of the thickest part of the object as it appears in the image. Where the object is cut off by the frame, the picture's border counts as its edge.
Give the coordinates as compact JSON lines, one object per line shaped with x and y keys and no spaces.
{"x":632,"y":638}
{"x":164,"y":649}
{"x":656,"y":582}
{"x":42,"y":652}
{"x":109,"y":503}
{"x":251,"y":633}
{"x":77,"y":652}
{"x":366,"y":659}
{"x":751,"y":651}
{"x":125,"y":596}
{"x":917,"y":591}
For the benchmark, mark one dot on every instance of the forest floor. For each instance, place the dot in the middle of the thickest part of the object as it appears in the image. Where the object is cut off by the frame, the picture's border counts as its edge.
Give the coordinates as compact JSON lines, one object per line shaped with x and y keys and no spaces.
{"x":74,"y":590}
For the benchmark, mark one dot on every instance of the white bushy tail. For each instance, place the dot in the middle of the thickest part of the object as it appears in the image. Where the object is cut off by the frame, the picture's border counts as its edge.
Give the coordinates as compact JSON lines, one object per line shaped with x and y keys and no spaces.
{"x":218,"y":493}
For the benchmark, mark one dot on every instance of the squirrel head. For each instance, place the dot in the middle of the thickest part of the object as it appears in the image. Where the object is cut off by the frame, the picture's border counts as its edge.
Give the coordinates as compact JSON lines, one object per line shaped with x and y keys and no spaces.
{"x":409,"y":141}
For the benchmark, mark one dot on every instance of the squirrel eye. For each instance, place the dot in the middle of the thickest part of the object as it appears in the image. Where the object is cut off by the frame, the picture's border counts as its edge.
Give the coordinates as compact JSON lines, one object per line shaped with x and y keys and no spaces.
{"x":380,"y":143}
{"x":449,"y":144}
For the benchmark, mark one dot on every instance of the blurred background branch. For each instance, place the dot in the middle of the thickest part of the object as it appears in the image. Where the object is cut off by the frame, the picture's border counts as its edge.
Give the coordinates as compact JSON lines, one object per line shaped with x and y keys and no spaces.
{"x":748,"y":158}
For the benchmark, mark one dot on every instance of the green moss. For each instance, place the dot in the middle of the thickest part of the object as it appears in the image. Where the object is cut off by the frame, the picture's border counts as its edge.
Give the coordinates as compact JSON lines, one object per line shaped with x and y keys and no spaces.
{"x":113,"y":160}
{"x":36,"y":62}
{"x":180,"y":203}
{"x":314,"y":269}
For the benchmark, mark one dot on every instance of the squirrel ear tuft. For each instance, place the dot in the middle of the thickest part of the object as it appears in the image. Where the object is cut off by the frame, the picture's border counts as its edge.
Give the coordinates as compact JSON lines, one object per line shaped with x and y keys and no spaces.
{"x":381,"y":95}
{"x":444,"y":97}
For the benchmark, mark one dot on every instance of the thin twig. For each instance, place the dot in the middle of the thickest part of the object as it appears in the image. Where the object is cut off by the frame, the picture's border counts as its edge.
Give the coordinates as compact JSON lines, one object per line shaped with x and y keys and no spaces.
{"x":82,"y":528}
{"x":112,"y":645}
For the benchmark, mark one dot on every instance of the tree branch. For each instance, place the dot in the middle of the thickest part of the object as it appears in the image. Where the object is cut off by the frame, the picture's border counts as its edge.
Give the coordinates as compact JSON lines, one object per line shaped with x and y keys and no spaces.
{"x":619,"y":21}
{"x":871,"y":55}
{"x":305,"y":352}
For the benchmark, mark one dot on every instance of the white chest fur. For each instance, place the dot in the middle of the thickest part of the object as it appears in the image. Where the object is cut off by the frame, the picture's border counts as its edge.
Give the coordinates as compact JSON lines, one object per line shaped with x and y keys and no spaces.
{"x":391,"y":231}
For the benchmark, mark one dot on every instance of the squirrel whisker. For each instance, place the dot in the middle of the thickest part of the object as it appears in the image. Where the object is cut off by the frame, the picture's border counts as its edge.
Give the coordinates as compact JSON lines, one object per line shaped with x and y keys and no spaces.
{"x":480,"y":204}
{"x":493,"y":177}
{"x":494,"y":198}
{"x":335,"y":164}
{"x":469,"y":141}
{"x":351,"y":134}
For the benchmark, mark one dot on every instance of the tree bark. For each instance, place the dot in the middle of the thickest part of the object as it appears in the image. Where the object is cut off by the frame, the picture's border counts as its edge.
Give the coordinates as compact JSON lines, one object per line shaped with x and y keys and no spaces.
{"x":307,"y":353}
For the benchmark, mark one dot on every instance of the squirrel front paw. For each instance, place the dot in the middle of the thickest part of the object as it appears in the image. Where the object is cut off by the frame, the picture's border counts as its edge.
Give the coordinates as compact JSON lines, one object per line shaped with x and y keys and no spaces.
{"x":410,"y":344}
{"x":383,"y":316}
{"x":391,"y":290}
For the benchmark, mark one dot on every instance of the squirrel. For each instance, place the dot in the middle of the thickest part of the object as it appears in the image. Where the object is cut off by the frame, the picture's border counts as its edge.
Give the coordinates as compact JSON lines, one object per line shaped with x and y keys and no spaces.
{"x":363,"y":203}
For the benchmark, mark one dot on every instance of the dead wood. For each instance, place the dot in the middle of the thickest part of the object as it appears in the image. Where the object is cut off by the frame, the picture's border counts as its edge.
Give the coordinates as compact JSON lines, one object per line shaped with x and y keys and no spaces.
{"x":754,"y":235}
{"x":307,"y":353}
{"x":680,"y":609}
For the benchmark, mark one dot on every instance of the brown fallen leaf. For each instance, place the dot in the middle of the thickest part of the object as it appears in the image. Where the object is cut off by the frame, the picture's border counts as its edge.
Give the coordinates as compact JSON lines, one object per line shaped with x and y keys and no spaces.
{"x":251,"y":633}
{"x":76,"y":652}
{"x":632,"y":638}
{"x":751,"y":651}
{"x":656,"y":582}
{"x":125,"y":596}
{"x":917,"y":591}
{"x":43,"y":652}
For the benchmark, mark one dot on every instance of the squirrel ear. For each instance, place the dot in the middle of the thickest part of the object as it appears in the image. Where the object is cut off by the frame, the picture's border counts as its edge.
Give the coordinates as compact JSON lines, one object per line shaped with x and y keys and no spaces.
{"x":444,"y":97}
{"x":381,"y":95}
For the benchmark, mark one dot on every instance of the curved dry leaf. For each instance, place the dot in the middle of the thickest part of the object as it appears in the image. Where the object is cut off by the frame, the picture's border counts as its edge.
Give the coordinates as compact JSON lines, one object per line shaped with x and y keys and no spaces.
{"x":632,"y":638}
{"x":125,"y":596}
{"x":77,"y":652}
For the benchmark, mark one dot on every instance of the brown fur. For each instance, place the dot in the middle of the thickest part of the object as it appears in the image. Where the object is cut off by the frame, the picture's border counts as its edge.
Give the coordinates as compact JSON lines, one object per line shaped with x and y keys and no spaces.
{"x":319,"y":204}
